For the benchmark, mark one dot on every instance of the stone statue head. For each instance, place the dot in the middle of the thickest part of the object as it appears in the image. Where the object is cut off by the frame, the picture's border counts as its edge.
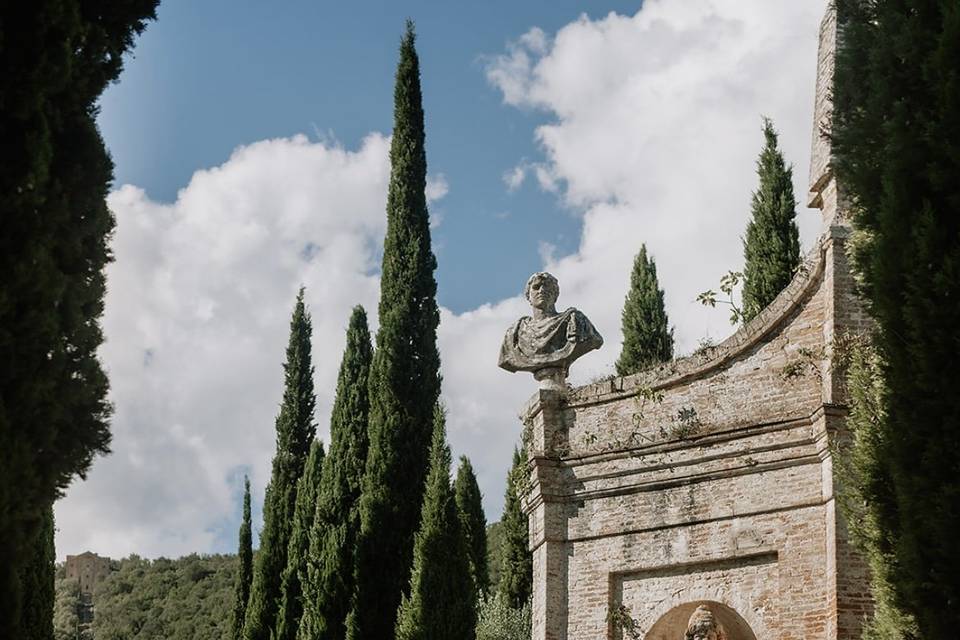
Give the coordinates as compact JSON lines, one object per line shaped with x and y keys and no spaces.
{"x":542,"y":291}
{"x":545,"y":343}
{"x":703,"y":625}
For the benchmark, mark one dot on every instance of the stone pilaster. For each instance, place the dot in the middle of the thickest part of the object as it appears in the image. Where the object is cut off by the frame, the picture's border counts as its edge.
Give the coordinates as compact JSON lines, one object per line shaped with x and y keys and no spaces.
{"x":821,"y":171}
{"x":844,"y":316}
{"x":545,"y":441}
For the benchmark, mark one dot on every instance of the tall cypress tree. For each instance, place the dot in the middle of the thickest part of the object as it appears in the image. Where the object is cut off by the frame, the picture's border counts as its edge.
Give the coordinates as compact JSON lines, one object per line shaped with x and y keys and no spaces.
{"x":405,"y":374}
{"x":897,"y":156}
{"x":329,"y":582}
{"x":516,"y":570}
{"x":36,"y":582}
{"x":771,"y":248}
{"x":244,"y":567}
{"x":291,"y":583}
{"x":473,"y":522}
{"x":647,"y":336}
{"x":442,"y":600}
{"x":295,"y":431}
{"x":56,"y":58}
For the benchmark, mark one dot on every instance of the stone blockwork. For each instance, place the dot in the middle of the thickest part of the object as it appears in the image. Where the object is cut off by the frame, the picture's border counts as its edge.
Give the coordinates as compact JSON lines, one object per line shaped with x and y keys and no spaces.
{"x":820,"y":171}
{"x":708,"y":480}
{"x":88,"y":569}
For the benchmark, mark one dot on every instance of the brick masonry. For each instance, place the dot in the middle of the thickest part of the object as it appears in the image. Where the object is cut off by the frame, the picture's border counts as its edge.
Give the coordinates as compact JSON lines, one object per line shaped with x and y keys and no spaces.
{"x":709,"y":479}
{"x":88,"y":569}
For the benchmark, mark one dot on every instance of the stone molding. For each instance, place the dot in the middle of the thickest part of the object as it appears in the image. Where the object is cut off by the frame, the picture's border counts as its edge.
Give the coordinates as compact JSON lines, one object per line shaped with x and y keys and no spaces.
{"x":698,"y":365}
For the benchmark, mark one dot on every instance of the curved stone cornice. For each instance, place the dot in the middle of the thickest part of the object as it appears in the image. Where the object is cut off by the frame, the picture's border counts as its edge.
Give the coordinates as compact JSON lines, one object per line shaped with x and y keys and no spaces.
{"x":710,"y":359}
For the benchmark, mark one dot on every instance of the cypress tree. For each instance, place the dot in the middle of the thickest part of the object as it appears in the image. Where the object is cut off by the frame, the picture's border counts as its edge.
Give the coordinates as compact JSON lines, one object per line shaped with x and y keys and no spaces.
{"x":647,"y":336}
{"x":405,"y":374}
{"x":329,"y":582}
{"x":56,"y":58}
{"x":244,"y":567}
{"x":291,"y":583}
{"x":516,"y":570}
{"x":771,"y":248}
{"x":37,"y":585}
{"x":442,"y":600}
{"x":896,"y":135}
{"x":473,"y":523}
{"x":295,"y":431}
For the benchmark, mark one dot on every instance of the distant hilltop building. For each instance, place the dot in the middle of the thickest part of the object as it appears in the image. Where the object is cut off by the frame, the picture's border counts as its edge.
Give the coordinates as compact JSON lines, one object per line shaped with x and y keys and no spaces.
{"x":88,"y":569}
{"x":696,"y":500}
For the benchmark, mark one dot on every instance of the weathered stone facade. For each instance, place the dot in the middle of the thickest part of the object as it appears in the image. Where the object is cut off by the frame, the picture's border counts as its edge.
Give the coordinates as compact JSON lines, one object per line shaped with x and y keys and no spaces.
{"x":708,"y":480}
{"x":88,"y":569}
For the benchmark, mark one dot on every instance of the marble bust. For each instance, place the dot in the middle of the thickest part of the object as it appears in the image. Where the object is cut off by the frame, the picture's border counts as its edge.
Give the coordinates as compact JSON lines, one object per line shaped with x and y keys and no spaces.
{"x":548,"y":342}
{"x":704,"y":626}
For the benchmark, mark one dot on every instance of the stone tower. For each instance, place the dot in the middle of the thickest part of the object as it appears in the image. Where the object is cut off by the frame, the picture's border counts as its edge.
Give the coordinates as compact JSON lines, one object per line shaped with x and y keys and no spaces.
{"x":88,"y":569}
{"x":697,"y":499}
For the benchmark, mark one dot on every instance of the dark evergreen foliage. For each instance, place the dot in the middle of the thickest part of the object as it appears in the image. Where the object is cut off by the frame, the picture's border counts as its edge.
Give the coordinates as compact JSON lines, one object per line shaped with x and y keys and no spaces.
{"x":329,"y":581}
{"x":897,"y":157}
{"x":291,"y":584}
{"x":771,"y":248}
{"x":295,"y":431}
{"x":516,"y":572}
{"x":647,"y":336}
{"x":494,"y":555}
{"x":442,"y":600}
{"x":404,"y":376}
{"x":244,"y":568}
{"x":473,"y":522}
{"x":56,"y":57}
{"x":36,"y":584}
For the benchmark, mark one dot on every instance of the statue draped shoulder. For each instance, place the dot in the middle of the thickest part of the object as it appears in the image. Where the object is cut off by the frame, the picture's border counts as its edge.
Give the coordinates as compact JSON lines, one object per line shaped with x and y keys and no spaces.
{"x":548,"y":342}
{"x":551,"y":342}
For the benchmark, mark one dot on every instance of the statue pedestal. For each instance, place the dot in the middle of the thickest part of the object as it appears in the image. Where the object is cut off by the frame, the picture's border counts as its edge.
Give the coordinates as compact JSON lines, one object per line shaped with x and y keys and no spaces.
{"x":551,"y":378}
{"x":545,"y":442}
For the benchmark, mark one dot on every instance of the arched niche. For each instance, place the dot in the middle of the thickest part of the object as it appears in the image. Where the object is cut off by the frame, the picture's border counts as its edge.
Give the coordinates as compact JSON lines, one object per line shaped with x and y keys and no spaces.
{"x":673,"y":624}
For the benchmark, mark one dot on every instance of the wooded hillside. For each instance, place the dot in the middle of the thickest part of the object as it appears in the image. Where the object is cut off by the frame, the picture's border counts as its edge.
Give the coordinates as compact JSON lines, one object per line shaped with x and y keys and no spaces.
{"x":189,"y":598}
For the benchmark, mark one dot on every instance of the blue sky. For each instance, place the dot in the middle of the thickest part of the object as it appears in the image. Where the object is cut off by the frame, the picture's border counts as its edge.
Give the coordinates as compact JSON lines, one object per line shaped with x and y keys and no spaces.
{"x":209,"y":76}
{"x":251,"y":157}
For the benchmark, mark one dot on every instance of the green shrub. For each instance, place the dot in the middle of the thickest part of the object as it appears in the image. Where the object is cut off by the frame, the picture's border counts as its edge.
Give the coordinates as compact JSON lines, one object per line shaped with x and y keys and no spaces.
{"x":497,"y":620}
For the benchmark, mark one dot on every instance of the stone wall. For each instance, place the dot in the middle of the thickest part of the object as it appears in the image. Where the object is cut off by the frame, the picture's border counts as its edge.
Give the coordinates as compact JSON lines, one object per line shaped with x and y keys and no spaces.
{"x":88,"y":569}
{"x":708,"y":480}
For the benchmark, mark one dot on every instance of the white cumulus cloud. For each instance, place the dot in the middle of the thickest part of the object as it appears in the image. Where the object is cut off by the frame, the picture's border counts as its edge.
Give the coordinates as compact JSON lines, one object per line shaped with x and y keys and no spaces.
{"x":514,"y":177}
{"x":197,"y":318}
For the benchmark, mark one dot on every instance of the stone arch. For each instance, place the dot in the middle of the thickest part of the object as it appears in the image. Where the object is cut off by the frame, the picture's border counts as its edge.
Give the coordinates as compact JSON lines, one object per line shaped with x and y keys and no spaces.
{"x":673,"y":624}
